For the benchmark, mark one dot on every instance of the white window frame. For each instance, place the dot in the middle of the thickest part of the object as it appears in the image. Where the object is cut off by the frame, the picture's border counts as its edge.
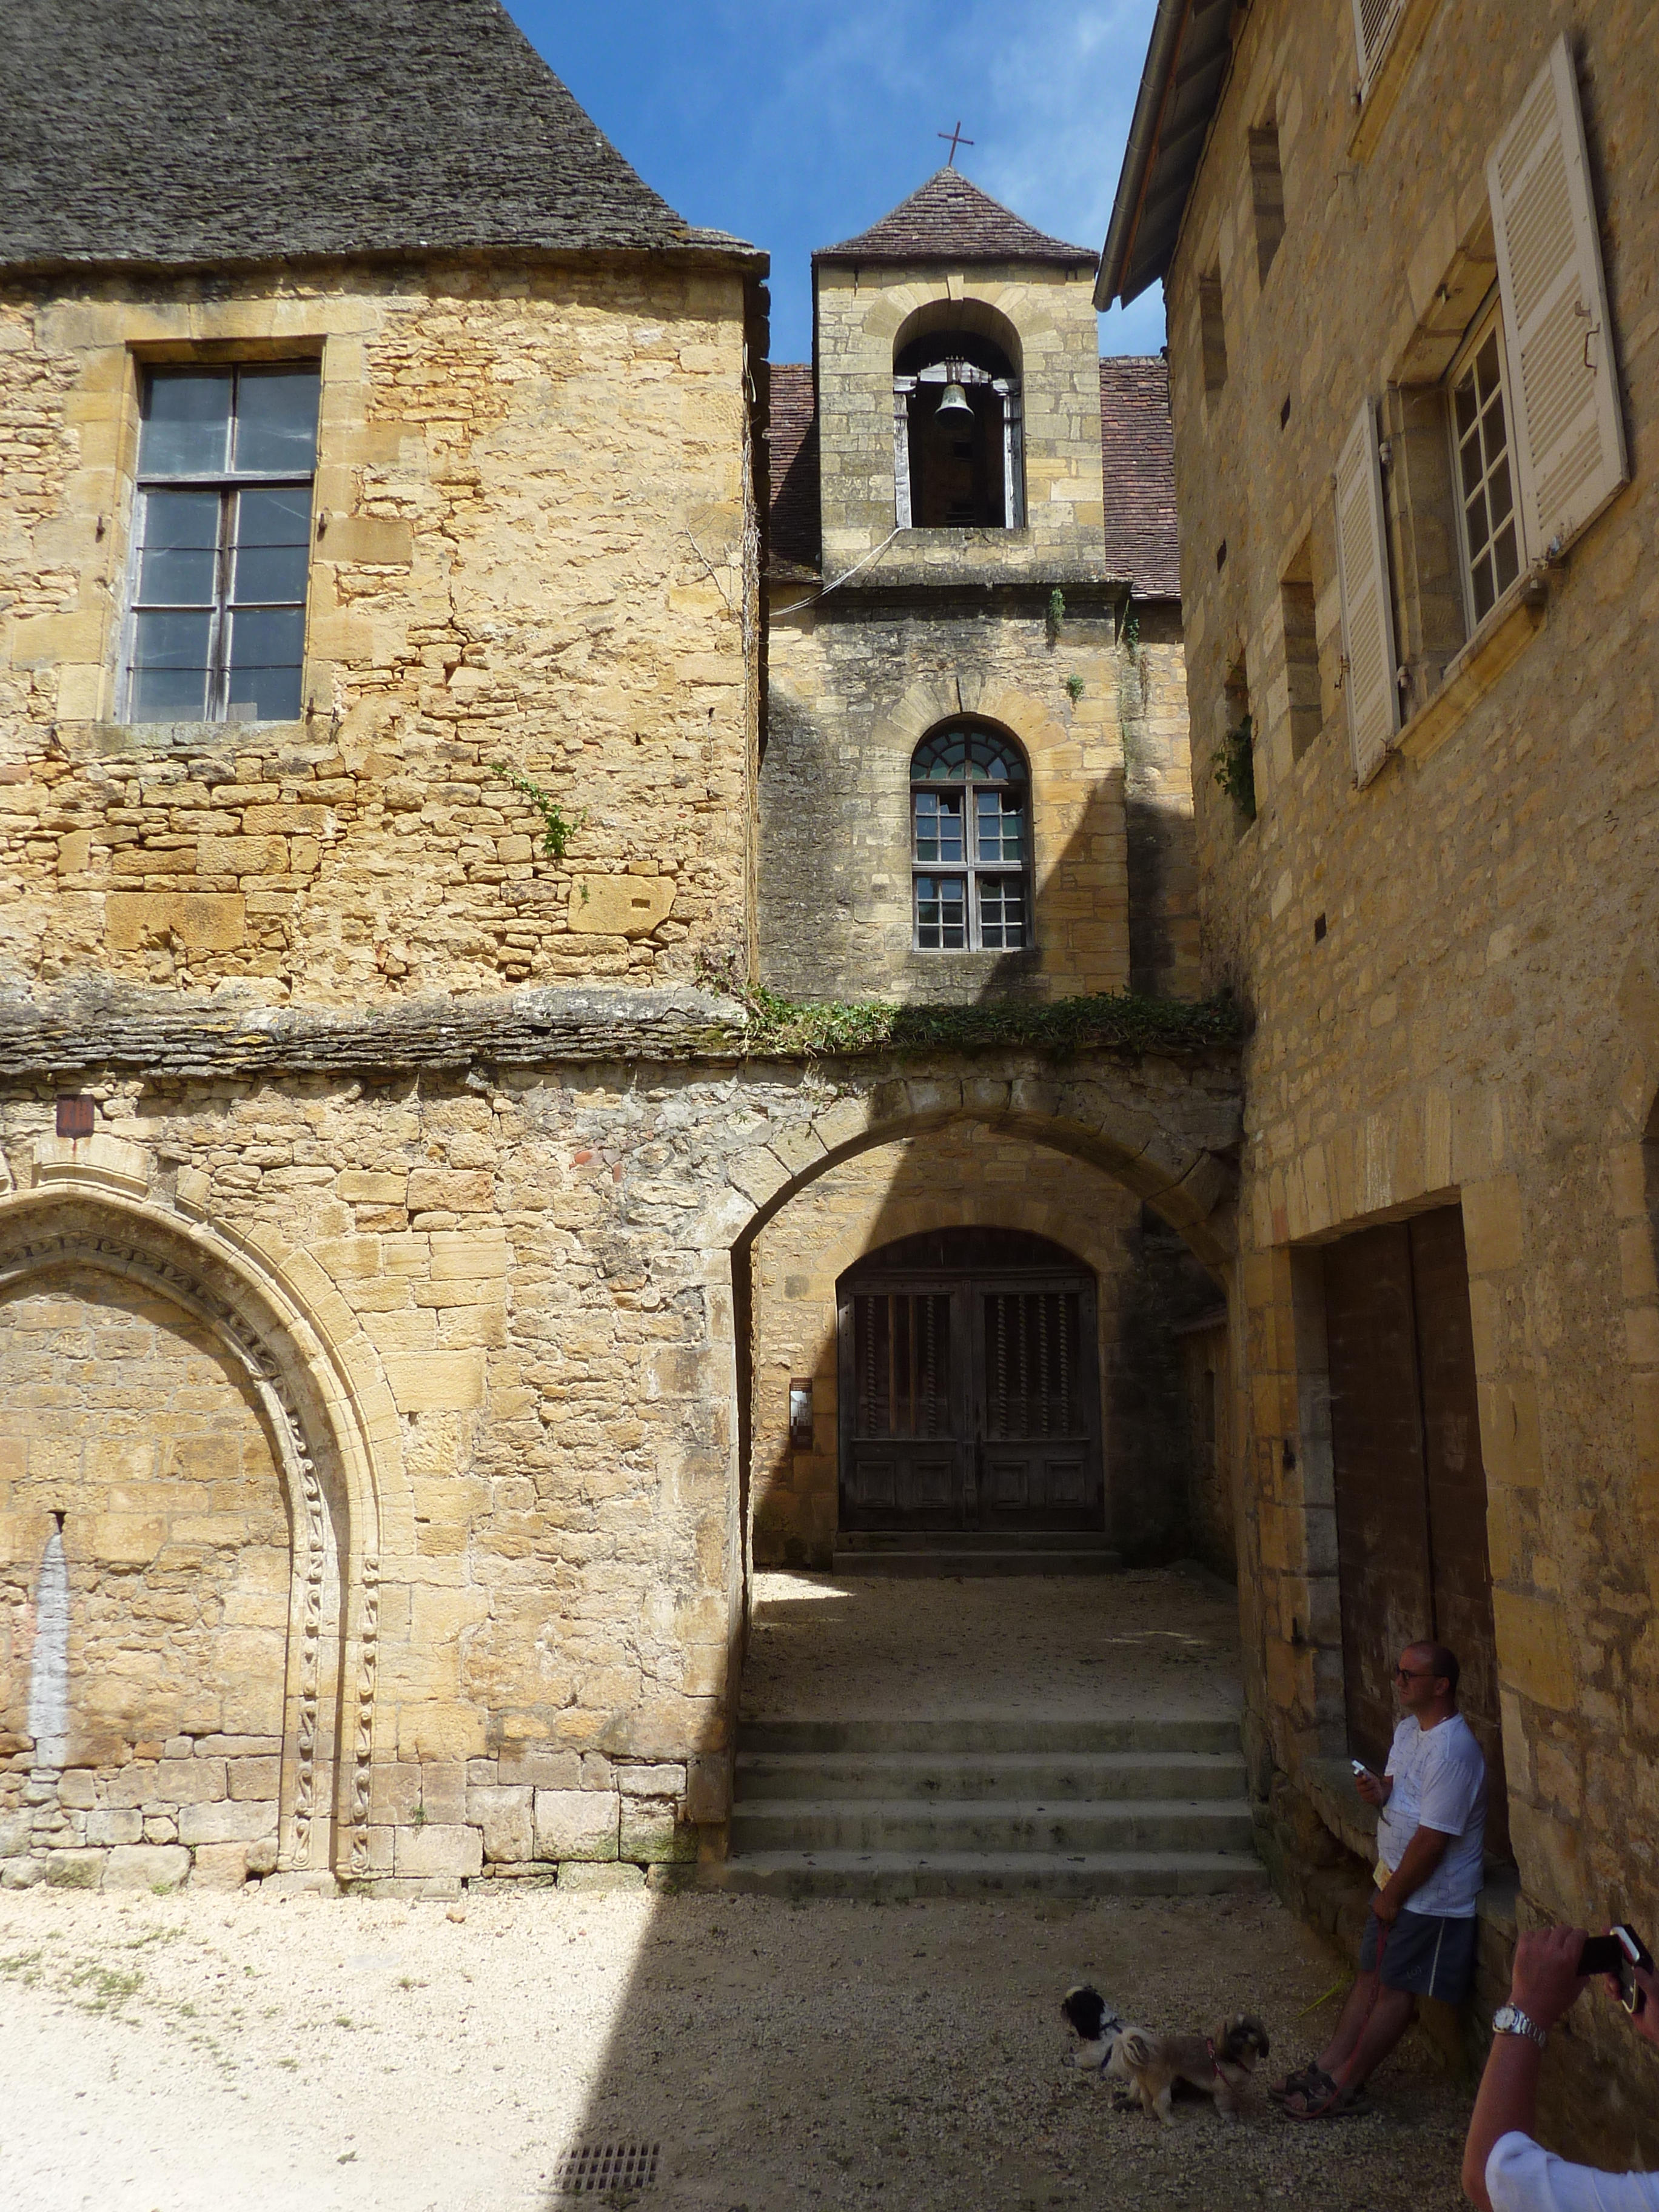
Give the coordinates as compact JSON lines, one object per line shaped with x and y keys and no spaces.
{"x":971,"y":872}
{"x":227,"y":483}
{"x":1488,"y":323}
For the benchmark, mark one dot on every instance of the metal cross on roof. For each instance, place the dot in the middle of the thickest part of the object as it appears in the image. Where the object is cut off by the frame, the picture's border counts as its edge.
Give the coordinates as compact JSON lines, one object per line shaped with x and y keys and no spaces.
{"x":955,"y":139}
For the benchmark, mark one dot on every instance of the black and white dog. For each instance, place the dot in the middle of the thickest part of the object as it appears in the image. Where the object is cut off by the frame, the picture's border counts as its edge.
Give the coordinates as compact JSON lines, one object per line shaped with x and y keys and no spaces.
{"x":1098,"y":2029}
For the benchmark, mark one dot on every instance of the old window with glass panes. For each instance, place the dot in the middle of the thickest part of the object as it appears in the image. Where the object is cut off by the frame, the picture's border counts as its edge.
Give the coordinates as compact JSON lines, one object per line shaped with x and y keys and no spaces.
{"x":969,"y":843}
{"x":221,"y":542}
{"x":1489,"y":521}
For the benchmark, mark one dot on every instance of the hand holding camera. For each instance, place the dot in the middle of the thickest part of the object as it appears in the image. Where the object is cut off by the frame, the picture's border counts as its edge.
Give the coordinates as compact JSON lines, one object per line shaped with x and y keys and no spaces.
{"x":1552,"y":1965}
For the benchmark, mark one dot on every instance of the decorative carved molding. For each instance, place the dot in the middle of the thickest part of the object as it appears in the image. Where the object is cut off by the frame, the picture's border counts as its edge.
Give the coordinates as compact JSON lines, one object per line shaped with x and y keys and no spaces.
{"x":363,"y":1750}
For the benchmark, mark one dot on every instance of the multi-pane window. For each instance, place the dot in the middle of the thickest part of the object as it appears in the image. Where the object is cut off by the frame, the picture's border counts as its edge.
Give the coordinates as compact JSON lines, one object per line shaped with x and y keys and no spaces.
{"x":969,"y":843}
{"x":1490,"y":525}
{"x":226,"y":457}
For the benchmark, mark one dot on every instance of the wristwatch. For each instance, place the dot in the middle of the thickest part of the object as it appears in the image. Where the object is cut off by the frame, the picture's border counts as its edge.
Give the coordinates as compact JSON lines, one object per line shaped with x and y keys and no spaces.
{"x":1510,"y":2020}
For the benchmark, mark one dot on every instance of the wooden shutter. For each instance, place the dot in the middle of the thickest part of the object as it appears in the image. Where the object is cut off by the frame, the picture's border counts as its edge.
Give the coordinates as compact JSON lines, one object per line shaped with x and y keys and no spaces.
{"x":1373,"y":20}
{"x":1570,"y":438}
{"x":1367,"y":613}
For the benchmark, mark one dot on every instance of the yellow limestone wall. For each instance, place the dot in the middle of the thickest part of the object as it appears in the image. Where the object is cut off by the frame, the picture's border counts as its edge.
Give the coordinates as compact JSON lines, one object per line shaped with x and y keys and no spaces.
{"x":532,"y":546}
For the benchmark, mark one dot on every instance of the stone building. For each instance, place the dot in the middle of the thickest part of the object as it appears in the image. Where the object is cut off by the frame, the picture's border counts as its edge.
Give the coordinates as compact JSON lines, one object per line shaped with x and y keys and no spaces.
{"x":391,"y":1181}
{"x":1409,"y":254}
{"x":975,"y":789}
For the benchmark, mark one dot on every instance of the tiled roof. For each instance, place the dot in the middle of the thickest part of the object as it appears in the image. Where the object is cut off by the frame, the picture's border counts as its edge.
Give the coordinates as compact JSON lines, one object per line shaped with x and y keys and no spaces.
{"x":183,"y":131}
{"x":1136,"y":470}
{"x":949,"y":219}
{"x":794,"y":463}
{"x":1137,"y":459}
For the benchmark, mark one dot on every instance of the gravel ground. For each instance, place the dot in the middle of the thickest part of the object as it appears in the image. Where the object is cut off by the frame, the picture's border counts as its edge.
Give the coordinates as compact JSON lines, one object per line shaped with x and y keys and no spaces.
{"x":173,"y":2055}
{"x":856,"y":1648}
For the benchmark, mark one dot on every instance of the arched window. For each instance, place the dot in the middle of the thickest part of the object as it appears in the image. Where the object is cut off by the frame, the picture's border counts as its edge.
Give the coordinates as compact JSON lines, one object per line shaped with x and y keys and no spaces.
{"x":969,"y":843}
{"x":957,"y":431}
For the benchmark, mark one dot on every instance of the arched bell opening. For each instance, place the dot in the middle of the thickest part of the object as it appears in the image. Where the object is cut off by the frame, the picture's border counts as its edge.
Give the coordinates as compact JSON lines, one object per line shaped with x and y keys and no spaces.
{"x":958,"y":420}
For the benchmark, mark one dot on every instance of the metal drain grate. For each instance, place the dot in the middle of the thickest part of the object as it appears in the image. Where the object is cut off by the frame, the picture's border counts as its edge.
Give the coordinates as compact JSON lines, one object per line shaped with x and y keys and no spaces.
{"x":589,"y":2169}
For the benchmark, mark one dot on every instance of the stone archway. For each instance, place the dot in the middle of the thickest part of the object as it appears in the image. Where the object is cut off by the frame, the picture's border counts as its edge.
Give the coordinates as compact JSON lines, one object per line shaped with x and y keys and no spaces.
{"x":69,"y":1235}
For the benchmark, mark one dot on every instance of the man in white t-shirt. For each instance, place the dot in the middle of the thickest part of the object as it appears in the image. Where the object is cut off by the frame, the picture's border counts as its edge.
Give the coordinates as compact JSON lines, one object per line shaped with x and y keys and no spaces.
{"x":1504,"y":2169}
{"x":1419,"y":1937}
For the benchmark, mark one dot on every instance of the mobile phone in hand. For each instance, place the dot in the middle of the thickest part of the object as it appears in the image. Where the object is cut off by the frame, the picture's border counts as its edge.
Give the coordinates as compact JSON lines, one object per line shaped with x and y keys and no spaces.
{"x":1620,"y":1953}
{"x":1360,"y":1769}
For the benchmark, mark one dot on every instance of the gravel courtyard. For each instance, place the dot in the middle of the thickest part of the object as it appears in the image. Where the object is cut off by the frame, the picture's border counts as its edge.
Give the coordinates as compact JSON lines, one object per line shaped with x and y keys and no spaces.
{"x":249,"y":2055}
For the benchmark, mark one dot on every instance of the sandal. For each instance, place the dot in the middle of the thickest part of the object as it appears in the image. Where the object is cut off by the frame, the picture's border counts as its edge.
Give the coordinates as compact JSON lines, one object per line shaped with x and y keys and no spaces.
{"x":1294,"y":2080}
{"x":1319,"y":2098}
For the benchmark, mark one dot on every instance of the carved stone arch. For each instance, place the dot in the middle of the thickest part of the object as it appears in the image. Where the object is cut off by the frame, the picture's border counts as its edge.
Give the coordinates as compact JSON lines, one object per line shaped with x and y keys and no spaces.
{"x":323,"y":1455}
{"x":973,"y":314}
{"x":1166,"y":1133}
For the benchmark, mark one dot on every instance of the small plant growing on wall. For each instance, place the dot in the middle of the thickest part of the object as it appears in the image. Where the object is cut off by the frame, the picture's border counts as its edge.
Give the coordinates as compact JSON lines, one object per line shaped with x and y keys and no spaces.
{"x":1074,"y":689}
{"x":1235,"y":767}
{"x":558,"y":828}
{"x":1054,"y":619}
{"x":1131,"y":634}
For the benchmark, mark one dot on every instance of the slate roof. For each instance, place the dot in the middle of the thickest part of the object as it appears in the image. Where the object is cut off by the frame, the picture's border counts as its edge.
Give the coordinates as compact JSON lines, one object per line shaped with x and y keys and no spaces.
{"x":1137,"y":470}
{"x":793,"y":455}
{"x":1137,"y":462}
{"x":180,"y":133}
{"x":949,"y":219}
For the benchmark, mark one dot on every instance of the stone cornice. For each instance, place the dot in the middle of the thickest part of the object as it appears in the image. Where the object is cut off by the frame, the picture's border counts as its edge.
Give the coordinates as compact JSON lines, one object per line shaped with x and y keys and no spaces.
{"x":97,"y":1028}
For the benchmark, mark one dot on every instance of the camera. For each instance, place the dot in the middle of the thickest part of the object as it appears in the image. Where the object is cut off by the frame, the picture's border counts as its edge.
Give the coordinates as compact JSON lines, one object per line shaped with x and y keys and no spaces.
{"x":1620,"y":1953}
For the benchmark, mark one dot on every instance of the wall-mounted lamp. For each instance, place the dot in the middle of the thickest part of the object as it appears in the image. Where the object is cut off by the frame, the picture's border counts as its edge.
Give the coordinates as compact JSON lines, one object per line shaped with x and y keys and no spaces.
{"x":800,"y":1413}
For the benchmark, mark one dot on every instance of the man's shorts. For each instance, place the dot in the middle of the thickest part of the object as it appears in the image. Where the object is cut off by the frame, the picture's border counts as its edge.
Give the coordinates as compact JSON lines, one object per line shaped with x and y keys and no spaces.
{"x":1424,"y":1952}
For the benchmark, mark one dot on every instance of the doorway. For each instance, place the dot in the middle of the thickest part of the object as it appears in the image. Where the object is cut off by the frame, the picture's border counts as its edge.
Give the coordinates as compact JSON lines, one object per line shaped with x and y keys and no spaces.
{"x":1411,"y":1484}
{"x":970,"y":1385}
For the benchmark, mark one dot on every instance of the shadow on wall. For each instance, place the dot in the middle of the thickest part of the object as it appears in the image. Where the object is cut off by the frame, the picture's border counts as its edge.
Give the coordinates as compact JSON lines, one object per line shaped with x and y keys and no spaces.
{"x":971,"y":1175}
{"x":1159,"y":827}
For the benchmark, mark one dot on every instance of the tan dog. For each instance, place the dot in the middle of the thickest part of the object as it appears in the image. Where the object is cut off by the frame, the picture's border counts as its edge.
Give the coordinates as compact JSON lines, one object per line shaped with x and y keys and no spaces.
{"x":1218,"y":2063}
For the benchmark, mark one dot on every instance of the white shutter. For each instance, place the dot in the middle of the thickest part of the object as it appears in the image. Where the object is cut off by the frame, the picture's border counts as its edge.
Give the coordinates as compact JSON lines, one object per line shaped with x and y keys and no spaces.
{"x":1570,"y":437}
{"x":1373,"y":20}
{"x":1367,"y":613}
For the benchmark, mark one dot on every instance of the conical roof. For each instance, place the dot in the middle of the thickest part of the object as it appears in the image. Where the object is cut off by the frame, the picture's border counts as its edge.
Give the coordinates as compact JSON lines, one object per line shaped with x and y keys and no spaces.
{"x":177,"y":132}
{"x":949,"y":219}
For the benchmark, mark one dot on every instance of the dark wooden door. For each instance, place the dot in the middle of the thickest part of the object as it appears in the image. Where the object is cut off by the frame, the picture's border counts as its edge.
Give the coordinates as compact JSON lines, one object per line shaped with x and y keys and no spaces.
{"x":1382,"y":1503}
{"x":969,"y":1394}
{"x":1411,"y":1486}
{"x":1036,"y":1406}
{"x":905,"y":1461}
{"x":1456,"y":1482}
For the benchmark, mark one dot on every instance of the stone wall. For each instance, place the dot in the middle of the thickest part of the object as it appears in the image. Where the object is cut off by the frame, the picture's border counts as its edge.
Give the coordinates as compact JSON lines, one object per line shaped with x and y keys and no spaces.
{"x":977,"y":1178}
{"x":1449,"y":970}
{"x":856,"y":683}
{"x":117,"y":1413}
{"x":486,"y":1310}
{"x":487,"y":586}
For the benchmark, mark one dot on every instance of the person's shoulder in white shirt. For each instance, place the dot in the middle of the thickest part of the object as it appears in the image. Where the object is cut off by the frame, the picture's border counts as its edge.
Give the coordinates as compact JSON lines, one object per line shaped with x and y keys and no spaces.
{"x":1521,"y":2176}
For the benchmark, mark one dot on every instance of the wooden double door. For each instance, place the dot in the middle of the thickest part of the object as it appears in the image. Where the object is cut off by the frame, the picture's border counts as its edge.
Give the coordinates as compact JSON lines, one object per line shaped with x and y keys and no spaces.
{"x":1411,"y":1484}
{"x":970,"y":1387}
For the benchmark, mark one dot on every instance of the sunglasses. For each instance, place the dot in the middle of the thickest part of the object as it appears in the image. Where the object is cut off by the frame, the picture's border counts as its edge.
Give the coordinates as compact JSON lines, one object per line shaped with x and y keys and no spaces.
{"x":1414,"y":1674}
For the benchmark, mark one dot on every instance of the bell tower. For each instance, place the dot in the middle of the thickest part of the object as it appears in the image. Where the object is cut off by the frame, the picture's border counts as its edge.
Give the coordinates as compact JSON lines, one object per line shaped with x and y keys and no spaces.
{"x":959,"y":390}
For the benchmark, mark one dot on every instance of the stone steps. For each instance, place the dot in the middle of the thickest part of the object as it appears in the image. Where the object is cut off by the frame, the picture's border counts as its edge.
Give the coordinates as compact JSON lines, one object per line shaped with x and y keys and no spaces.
{"x":973,"y":1552}
{"x":889,"y":1875}
{"x":994,"y":1825}
{"x":952,"y":1778}
{"x":963,"y":1806}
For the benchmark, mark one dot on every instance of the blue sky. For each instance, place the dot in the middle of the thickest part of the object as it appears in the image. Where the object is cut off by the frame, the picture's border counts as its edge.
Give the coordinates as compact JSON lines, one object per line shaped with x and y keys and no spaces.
{"x":796,"y":126}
